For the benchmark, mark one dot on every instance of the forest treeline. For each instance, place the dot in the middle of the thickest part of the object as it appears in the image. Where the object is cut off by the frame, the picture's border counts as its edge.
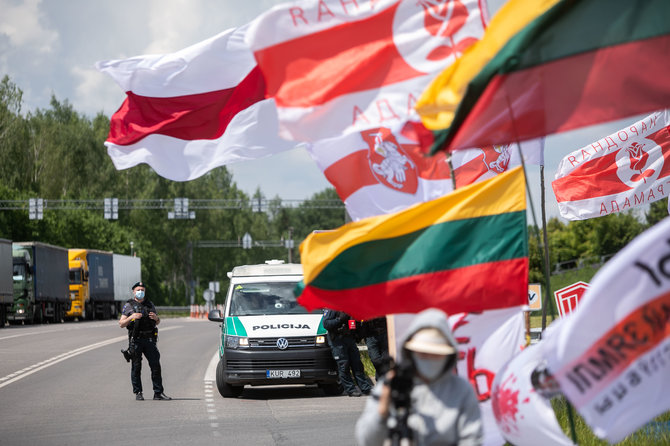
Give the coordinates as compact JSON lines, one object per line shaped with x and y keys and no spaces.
{"x":58,"y":154}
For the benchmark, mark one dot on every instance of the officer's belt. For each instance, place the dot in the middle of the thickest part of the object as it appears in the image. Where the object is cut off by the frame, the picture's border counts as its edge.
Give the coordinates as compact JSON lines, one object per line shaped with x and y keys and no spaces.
{"x":145,"y":334}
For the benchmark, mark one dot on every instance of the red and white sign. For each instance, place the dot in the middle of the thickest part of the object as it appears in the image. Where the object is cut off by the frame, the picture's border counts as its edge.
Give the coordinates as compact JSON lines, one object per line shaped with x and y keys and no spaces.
{"x":335,"y":67}
{"x":611,"y":357}
{"x":624,"y":170}
{"x":567,"y":299}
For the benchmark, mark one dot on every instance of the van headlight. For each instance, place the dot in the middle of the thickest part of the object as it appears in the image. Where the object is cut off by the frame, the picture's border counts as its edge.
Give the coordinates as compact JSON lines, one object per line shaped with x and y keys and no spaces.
{"x":236,"y":342}
{"x":320,"y":340}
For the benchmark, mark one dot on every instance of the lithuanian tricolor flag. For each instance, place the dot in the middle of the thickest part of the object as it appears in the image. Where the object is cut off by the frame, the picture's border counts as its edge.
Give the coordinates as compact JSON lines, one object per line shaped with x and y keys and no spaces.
{"x":464,"y":252}
{"x":580,"y":63}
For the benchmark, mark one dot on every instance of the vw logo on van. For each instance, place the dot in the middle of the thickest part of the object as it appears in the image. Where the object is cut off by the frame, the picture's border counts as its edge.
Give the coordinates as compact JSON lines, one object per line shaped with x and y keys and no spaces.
{"x":282,"y":344}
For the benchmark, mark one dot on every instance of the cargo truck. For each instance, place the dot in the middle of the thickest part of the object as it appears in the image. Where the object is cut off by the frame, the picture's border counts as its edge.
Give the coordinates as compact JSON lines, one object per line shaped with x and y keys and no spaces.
{"x":40,"y":282}
{"x":127,"y":272}
{"x":6,"y":285}
{"x":91,"y":284}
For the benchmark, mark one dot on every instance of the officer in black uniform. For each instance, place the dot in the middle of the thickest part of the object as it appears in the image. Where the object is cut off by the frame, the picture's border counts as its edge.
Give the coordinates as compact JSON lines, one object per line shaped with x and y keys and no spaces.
{"x":346,"y":354}
{"x":142,"y":338}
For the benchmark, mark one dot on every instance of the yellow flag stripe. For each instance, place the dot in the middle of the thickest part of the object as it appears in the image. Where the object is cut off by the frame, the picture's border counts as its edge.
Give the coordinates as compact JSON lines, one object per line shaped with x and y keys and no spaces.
{"x":437,"y":105}
{"x":503,"y":193}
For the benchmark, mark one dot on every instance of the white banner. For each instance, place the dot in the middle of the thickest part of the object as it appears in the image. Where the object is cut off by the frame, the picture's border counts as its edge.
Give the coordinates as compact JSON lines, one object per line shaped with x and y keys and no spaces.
{"x":486,"y":342}
{"x":611,"y":356}
{"x":523,"y":416}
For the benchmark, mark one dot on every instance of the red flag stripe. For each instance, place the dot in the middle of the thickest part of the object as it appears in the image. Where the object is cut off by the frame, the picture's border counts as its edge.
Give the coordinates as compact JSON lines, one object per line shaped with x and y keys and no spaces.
{"x":443,"y":289}
{"x":190,"y":117}
{"x":316,"y":68}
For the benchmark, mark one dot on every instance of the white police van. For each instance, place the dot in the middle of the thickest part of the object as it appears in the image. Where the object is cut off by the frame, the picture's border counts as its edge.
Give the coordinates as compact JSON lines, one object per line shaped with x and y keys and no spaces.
{"x":267,"y":338}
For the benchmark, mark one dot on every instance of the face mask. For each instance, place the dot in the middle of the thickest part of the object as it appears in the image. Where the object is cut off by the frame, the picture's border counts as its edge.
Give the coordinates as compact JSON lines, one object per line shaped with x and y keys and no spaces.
{"x":139,"y":294}
{"x":429,"y":369}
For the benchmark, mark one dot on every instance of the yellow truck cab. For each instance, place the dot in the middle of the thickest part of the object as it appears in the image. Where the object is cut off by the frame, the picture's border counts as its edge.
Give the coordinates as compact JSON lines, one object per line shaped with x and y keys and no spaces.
{"x":267,"y":338}
{"x":78,"y":283}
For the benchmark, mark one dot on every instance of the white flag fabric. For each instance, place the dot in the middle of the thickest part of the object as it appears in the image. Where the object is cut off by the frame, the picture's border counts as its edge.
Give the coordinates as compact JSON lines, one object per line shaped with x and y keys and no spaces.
{"x":523,"y":416}
{"x":383,"y":170}
{"x":624,"y":170}
{"x":611,"y":356}
{"x":193,"y":110}
{"x":486,"y":342}
{"x":334,"y":67}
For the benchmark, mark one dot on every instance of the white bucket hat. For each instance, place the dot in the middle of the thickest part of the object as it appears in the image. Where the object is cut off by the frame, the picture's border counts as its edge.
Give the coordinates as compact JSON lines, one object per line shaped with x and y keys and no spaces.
{"x":430,"y":340}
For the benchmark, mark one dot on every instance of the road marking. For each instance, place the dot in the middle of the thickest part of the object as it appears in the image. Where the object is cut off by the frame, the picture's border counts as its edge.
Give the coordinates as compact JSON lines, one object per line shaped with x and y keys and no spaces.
{"x":55,"y":330}
{"x":210,"y":373}
{"x":11,"y":378}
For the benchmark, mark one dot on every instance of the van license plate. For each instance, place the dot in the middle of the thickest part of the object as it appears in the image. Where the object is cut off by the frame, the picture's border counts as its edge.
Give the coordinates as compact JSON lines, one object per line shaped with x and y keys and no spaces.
{"x":282,"y":373}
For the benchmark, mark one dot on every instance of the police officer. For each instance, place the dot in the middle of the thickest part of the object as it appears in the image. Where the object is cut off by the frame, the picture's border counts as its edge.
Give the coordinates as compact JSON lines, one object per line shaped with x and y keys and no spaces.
{"x":375,"y":335}
{"x":345,"y":352}
{"x":140,"y":318}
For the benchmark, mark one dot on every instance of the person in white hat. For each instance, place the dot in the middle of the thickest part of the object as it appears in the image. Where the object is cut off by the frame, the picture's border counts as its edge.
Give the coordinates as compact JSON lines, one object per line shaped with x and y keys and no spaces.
{"x":443,"y":407}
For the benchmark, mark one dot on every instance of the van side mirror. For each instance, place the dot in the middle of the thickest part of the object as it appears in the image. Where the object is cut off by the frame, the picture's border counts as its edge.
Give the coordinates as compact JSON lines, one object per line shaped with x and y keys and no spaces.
{"x":215,"y":316}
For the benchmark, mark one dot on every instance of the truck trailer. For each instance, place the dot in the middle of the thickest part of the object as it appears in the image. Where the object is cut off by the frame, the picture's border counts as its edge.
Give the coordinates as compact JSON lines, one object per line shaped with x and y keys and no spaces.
{"x":91,"y":284}
{"x":6,"y":281}
{"x":127,"y":272}
{"x":41,"y":284}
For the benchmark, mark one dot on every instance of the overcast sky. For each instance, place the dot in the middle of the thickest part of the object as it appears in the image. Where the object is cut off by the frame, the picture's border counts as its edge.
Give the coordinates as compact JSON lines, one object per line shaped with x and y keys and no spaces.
{"x":50,"y":46}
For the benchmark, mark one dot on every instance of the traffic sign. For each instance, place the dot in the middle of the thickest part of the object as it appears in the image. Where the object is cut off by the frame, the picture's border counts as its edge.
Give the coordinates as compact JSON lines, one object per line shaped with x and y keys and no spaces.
{"x":567,"y":299}
{"x":534,"y":296}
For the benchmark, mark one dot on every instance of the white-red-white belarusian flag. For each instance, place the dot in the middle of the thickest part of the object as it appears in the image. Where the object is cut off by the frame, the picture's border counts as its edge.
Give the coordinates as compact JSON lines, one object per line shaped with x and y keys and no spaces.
{"x":193,"y":110}
{"x":627,"y":169}
{"x":334,"y":67}
{"x":611,"y":357}
{"x":384,"y":170}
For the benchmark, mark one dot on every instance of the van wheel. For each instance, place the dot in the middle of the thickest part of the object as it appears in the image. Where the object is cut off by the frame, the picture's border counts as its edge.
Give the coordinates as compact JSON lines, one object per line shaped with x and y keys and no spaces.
{"x":225,"y":389}
{"x":331,"y":389}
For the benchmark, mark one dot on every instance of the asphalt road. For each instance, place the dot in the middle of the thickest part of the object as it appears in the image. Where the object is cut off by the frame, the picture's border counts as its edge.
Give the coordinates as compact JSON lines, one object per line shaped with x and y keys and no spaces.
{"x":68,"y":384}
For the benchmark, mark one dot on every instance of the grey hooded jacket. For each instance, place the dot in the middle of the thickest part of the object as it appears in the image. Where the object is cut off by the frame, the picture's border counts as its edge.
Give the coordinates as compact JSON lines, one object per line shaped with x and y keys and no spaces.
{"x":444,"y":412}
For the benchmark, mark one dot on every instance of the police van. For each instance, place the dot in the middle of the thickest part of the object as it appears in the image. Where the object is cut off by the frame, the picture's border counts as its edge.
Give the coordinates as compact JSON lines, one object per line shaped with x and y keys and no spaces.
{"x":267,"y":338}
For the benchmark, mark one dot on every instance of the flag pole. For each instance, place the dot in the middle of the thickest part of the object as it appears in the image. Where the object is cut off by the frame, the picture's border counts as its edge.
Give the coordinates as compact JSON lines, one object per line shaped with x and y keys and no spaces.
{"x":571,"y":419}
{"x":453,"y":174}
{"x":545,"y":237}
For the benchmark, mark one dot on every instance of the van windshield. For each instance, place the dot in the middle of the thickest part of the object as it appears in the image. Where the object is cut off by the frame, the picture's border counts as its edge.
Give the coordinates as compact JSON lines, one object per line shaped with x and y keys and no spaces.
{"x":263,"y":298}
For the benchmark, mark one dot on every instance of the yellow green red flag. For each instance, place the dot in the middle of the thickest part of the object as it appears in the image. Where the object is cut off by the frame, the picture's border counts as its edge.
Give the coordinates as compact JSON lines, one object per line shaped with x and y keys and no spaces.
{"x":464,"y":252}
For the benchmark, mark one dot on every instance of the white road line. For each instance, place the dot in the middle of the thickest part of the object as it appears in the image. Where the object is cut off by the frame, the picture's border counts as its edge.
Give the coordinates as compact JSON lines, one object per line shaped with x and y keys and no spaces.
{"x":210,"y":374}
{"x":55,"y":330}
{"x":62,"y":357}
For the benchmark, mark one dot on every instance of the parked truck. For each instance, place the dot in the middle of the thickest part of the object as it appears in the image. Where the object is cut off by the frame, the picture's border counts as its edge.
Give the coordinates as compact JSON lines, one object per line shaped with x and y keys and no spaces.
{"x":91,"y":284}
{"x":6,"y":285}
{"x":127,"y":272}
{"x":40,"y":282}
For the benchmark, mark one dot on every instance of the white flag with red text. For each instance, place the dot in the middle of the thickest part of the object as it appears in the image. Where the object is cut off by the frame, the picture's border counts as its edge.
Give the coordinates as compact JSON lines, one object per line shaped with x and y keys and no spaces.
{"x":193,"y":110}
{"x":611,"y":357}
{"x":335,"y":67}
{"x":627,"y":169}
{"x":523,"y":416}
{"x":486,"y":341}
{"x":384,"y":170}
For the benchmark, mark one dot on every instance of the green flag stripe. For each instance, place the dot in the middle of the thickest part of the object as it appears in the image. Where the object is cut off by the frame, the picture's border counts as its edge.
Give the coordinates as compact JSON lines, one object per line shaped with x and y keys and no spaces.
{"x":444,"y":246}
